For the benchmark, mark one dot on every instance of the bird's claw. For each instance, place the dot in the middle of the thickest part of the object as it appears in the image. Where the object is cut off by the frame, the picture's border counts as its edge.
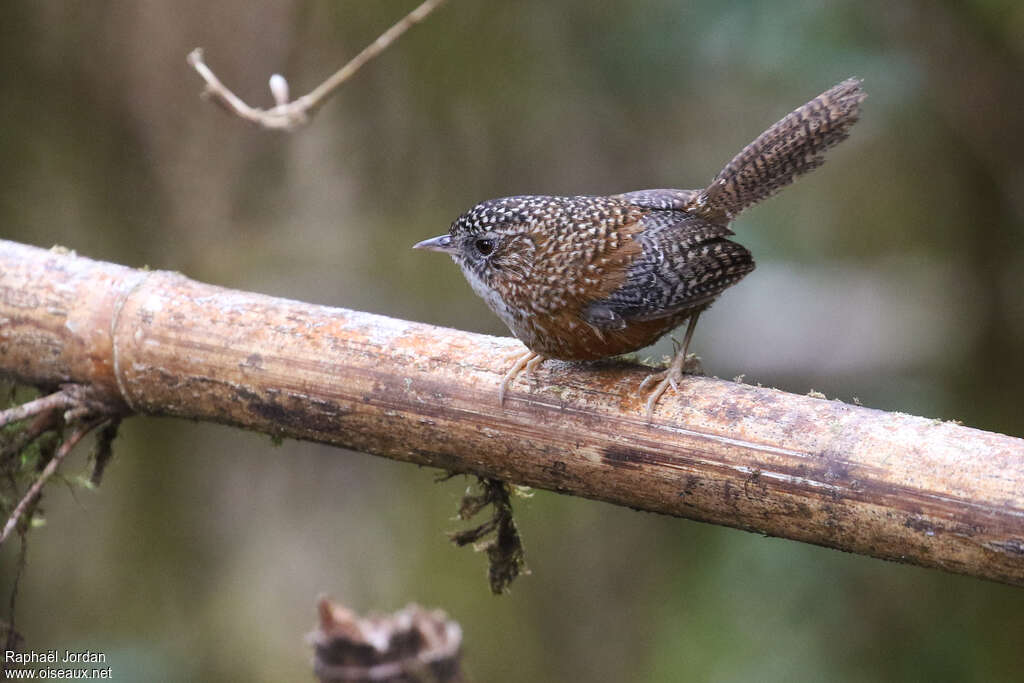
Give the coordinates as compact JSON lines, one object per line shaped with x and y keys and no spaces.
{"x":665,"y":379}
{"x":526,"y":363}
{"x":669,"y":377}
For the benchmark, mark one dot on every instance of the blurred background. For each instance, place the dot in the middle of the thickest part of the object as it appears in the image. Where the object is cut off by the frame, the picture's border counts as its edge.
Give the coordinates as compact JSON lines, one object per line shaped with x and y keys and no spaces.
{"x":893,"y":275}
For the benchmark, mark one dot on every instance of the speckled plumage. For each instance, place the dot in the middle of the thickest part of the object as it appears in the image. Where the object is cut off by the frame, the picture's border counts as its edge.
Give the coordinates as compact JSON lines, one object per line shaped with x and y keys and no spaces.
{"x":581,"y":278}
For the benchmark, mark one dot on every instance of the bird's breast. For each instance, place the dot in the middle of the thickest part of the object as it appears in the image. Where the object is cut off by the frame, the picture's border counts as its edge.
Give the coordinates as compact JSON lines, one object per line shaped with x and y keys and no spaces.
{"x":567,"y":337}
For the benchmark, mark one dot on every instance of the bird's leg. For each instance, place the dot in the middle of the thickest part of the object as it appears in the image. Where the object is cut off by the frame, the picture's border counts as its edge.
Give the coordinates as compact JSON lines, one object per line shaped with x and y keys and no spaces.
{"x":692,"y":365}
{"x":526,"y":362}
{"x":674,"y":373}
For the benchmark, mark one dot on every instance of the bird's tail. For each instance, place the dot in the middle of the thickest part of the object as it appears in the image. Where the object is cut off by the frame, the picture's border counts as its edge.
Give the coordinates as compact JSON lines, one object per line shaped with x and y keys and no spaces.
{"x":792,"y":147}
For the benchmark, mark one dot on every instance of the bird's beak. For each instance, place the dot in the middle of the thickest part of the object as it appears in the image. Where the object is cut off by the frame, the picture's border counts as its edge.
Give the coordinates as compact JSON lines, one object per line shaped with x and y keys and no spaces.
{"x":440,"y":243}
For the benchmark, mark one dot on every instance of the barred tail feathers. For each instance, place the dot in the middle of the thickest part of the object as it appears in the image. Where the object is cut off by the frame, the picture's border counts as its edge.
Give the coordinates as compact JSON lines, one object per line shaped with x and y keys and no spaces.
{"x":790,"y":148}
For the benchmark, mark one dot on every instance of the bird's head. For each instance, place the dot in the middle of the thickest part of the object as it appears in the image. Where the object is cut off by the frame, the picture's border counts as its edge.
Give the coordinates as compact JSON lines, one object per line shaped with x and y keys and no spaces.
{"x":495,"y":244}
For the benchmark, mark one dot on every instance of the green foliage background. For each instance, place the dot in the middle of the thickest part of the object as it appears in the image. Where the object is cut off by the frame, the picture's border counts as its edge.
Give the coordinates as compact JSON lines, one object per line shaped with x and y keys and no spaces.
{"x":893,"y":275}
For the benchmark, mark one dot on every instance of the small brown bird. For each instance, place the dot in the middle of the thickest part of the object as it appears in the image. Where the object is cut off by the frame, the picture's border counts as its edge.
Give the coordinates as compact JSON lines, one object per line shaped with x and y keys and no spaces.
{"x":582,"y":278}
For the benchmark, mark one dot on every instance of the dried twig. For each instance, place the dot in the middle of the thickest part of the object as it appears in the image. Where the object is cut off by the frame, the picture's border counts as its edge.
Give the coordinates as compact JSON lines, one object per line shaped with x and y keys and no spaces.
{"x":12,"y":638}
{"x":42,"y":423}
{"x":76,"y":404}
{"x":41,"y":480}
{"x":59,"y":400}
{"x":288,"y":115}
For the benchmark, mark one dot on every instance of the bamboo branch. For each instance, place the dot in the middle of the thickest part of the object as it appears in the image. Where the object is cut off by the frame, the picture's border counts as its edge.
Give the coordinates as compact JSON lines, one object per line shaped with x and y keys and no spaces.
{"x":288,"y":115}
{"x":882,"y":484}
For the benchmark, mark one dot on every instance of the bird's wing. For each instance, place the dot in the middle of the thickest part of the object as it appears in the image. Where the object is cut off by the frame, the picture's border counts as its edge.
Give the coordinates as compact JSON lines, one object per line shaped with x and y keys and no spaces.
{"x":686,"y":262}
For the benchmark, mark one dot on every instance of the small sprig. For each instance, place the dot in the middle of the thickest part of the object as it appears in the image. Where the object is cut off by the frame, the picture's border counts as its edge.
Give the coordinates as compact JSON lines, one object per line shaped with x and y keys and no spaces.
{"x":290,"y":114}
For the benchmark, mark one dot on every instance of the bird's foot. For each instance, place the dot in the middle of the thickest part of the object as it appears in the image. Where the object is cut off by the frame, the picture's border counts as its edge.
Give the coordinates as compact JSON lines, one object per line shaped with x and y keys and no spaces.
{"x":692,"y":364}
{"x":526,"y":363}
{"x":670,"y":377}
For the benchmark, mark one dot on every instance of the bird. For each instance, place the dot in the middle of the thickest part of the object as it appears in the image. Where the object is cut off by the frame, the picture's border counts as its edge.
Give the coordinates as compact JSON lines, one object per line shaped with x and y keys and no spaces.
{"x":582,"y":278}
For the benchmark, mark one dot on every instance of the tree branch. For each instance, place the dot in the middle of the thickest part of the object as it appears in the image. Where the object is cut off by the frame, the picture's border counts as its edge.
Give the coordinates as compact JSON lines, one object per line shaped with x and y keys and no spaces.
{"x":290,"y":115}
{"x":883,"y":484}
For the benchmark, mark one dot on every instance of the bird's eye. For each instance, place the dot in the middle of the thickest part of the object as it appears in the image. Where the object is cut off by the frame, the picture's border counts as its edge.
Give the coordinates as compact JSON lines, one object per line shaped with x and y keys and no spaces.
{"x":484,"y":246}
